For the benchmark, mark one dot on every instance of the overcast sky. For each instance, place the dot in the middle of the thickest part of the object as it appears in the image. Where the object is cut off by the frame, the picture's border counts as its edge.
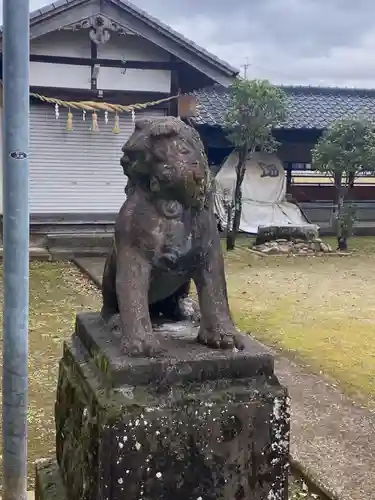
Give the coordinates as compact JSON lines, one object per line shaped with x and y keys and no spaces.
{"x":308,"y":42}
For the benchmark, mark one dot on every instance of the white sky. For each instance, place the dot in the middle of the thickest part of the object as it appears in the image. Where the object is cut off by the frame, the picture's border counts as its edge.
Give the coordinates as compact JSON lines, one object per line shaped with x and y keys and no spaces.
{"x":307,"y":42}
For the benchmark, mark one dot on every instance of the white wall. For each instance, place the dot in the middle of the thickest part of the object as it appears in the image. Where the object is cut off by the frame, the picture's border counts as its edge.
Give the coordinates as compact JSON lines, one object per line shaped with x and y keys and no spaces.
{"x":131,"y":48}
{"x":62,"y":43}
{"x":119,"y":47}
{"x":138,"y":80}
{"x":60,"y":75}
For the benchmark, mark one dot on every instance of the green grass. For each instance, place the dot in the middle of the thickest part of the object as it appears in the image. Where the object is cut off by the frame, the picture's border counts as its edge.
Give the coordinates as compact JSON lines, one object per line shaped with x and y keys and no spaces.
{"x":320,"y":310}
{"x":57,"y":292}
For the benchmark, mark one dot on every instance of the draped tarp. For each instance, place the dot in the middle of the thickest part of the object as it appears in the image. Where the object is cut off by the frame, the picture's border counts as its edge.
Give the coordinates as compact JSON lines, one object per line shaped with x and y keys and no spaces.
{"x":263,"y":193}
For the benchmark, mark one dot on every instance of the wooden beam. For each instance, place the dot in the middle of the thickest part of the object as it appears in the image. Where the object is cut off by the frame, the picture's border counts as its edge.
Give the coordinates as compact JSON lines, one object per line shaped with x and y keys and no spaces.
{"x":109,"y":63}
{"x":175,"y":89}
{"x":113,"y":97}
{"x":94,"y":55}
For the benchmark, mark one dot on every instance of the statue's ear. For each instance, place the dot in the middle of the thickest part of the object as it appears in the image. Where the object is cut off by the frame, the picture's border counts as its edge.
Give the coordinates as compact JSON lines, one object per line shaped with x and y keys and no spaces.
{"x":135,"y":159}
{"x":142,"y":124}
{"x":126,"y":165}
{"x":166,"y":127}
{"x":139,"y":166}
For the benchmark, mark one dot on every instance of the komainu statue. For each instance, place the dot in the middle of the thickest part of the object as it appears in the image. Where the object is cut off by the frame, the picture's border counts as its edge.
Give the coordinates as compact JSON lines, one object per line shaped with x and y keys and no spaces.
{"x":165,"y":236}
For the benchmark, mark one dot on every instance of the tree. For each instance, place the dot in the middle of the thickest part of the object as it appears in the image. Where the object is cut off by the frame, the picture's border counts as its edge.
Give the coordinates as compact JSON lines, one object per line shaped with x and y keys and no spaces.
{"x":345,"y":151}
{"x":255,"y":108}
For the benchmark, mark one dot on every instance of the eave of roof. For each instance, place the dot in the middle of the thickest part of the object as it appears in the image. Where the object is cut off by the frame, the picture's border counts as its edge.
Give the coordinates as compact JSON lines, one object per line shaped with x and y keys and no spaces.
{"x":61,"y":5}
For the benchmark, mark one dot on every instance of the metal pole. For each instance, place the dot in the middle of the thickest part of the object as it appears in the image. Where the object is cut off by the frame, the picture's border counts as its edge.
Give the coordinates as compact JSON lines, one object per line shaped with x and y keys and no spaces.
{"x":16,"y":245}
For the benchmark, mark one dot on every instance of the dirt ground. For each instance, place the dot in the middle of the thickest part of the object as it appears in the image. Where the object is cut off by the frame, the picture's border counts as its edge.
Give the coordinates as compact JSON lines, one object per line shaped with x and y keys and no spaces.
{"x":57,"y":292}
{"x":320,"y":310}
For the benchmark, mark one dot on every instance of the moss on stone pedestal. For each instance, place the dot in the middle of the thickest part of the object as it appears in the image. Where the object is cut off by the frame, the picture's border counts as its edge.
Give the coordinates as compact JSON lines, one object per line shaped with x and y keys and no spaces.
{"x":48,"y":482}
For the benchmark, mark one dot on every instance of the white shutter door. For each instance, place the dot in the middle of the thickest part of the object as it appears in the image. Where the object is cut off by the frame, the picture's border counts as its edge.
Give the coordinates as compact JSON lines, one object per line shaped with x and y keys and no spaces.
{"x":77,"y":171}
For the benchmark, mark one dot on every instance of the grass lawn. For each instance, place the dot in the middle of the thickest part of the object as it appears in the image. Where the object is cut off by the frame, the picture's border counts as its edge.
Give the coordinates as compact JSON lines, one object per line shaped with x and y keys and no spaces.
{"x":320,"y":310}
{"x":57,"y":292}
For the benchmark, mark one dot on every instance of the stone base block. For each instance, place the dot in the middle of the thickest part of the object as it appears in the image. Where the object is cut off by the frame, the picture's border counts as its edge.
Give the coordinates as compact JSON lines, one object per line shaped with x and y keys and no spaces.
{"x":48,"y":482}
{"x":303,"y":232}
{"x":193,"y":423}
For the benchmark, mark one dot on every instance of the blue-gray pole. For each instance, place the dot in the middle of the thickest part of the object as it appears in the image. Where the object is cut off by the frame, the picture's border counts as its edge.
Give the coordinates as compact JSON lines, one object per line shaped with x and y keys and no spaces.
{"x":16,"y":245}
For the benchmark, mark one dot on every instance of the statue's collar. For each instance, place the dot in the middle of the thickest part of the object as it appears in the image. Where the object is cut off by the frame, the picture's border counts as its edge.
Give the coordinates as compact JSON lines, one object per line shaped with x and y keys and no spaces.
{"x":171,"y":209}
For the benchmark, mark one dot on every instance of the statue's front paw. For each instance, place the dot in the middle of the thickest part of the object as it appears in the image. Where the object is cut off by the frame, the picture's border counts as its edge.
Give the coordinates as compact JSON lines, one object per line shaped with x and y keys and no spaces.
{"x":141,"y":346}
{"x":140,"y":343}
{"x":220,"y":338}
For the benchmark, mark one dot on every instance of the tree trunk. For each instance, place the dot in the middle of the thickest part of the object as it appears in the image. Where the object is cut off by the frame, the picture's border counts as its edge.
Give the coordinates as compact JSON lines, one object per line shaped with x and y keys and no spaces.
{"x":351,"y":179}
{"x":229,"y":222}
{"x":240,"y":174}
{"x":343,"y":194}
{"x":342,"y":243}
{"x":341,"y":238}
{"x":339,"y":205}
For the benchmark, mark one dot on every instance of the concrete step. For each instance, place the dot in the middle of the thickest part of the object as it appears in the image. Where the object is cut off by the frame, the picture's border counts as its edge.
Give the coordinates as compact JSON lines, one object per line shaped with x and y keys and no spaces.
{"x":43,"y":229}
{"x":81,"y":240}
{"x":42,"y":224}
{"x":60,"y":253}
{"x":35,"y":253}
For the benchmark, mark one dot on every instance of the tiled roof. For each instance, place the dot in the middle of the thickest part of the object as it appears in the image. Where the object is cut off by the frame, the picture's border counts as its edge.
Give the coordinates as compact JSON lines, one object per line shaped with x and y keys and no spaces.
{"x":307,"y":107}
{"x":61,"y":5}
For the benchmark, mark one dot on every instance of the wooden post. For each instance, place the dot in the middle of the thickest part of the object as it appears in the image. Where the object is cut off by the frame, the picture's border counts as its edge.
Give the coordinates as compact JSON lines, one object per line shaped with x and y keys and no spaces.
{"x":175,"y":90}
{"x":288,"y":176}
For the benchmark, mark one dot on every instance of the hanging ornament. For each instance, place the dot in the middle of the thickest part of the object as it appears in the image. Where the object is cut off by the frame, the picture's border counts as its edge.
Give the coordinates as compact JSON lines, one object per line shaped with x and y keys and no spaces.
{"x":106,"y":117}
{"x":69,"y":123}
{"x":57,"y":111}
{"x":116,"y":126}
{"x":84,"y":115}
{"x":133,"y":116}
{"x":95,"y":126}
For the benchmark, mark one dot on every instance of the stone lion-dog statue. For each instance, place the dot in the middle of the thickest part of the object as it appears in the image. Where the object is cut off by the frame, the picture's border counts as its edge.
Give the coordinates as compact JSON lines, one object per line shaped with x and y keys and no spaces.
{"x":165,"y":236}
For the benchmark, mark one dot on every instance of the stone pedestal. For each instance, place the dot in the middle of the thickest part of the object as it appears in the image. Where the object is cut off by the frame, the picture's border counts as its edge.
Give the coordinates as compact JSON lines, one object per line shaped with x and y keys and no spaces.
{"x":193,"y":424}
{"x":301,"y":232}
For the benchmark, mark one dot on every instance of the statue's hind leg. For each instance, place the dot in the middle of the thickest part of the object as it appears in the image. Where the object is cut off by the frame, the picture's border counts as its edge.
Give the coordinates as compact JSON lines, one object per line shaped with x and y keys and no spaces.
{"x":177,"y":307}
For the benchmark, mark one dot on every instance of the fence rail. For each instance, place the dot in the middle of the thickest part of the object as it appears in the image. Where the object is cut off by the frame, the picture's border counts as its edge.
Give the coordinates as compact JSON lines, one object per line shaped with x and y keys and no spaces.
{"x":321,"y":213}
{"x":316,"y":178}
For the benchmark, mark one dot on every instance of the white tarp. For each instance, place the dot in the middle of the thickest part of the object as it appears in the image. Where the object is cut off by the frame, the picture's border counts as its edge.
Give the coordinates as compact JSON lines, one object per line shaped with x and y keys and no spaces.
{"x":263,"y":193}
